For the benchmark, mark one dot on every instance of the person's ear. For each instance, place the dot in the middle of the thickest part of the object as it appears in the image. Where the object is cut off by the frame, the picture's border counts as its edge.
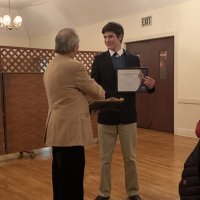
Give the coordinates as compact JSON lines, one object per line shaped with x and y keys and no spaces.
{"x":76,"y":48}
{"x":120,"y":37}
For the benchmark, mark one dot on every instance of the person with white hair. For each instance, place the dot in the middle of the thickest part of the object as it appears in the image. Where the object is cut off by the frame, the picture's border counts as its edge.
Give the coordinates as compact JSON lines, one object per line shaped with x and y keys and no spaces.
{"x":68,"y":126}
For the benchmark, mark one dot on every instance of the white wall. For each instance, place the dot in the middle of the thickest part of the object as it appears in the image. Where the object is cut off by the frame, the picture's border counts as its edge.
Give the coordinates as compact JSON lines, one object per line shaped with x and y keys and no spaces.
{"x":179,"y":20}
{"x":14,"y":41}
{"x":46,"y":42}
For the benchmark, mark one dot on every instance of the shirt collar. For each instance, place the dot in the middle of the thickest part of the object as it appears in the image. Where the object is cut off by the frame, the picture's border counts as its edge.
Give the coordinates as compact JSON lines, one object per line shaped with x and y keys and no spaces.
{"x":120,"y":52}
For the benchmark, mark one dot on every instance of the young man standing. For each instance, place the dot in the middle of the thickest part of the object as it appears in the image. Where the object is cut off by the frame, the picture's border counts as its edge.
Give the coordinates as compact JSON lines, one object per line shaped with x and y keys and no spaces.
{"x":122,"y":122}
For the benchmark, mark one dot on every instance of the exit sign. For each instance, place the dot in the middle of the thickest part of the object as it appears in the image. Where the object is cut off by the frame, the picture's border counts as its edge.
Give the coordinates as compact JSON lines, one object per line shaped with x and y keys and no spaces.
{"x":147,"y":21}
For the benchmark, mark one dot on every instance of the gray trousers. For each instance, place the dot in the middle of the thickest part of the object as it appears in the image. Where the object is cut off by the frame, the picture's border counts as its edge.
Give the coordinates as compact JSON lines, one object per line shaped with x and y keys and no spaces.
{"x":108,"y":135}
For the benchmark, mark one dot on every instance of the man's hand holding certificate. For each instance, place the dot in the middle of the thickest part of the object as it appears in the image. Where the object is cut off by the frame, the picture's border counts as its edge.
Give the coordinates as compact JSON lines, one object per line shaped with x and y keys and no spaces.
{"x":149,"y":82}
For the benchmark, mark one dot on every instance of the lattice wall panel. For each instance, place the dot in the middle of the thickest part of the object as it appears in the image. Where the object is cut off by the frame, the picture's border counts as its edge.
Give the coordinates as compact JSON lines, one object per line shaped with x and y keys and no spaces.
{"x":24,"y":60}
{"x":28,"y":60}
{"x":86,"y":57}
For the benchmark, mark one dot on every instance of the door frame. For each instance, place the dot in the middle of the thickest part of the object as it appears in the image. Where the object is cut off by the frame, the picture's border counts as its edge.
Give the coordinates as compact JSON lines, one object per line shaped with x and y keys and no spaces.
{"x":158,"y":36}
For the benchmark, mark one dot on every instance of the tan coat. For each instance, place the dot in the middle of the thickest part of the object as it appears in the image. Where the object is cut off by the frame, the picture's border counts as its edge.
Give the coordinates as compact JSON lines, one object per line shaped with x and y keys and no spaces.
{"x":67,"y":84}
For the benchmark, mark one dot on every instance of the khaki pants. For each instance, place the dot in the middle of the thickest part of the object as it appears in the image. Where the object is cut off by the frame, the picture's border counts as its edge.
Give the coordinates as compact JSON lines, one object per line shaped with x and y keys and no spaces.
{"x":107,"y":139}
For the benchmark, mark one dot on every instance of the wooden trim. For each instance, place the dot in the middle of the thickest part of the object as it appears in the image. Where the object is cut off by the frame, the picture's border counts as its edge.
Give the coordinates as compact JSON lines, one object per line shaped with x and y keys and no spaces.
{"x":188,"y":101}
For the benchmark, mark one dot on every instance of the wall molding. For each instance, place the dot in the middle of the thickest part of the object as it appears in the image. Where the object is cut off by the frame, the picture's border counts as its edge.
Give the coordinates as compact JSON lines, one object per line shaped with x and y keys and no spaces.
{"x":185,"y":132}
{"x":188,"y":101}
{"x":150,"y":37}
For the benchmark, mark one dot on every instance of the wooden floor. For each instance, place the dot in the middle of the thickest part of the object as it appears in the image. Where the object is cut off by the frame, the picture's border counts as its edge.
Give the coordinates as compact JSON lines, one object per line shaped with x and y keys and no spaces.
{"x":160,"y":158}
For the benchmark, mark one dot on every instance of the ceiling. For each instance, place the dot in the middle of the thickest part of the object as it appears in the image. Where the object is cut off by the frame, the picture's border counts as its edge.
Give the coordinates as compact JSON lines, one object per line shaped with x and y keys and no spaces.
{"x":41,"y":17}
{"x":20,"y":4}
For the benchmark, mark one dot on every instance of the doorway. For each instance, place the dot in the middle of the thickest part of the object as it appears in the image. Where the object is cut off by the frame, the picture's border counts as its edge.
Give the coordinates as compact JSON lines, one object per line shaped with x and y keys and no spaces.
{"x":156,"y":110}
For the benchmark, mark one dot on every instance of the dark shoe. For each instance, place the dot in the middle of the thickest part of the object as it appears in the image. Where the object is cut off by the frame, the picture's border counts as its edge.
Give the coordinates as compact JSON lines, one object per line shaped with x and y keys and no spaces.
{"x":135,"y":197}
{"x":102,"y":198}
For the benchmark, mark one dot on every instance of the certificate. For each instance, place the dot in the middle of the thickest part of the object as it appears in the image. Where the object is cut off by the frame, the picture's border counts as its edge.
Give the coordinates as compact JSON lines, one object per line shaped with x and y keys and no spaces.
{"x":131,"y":79}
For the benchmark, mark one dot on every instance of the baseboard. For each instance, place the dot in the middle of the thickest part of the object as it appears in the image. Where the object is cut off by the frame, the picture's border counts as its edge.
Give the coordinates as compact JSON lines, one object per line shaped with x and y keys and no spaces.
{"x":185,"y":132}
